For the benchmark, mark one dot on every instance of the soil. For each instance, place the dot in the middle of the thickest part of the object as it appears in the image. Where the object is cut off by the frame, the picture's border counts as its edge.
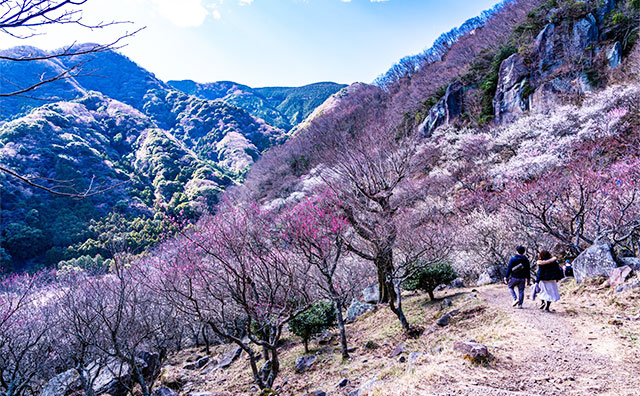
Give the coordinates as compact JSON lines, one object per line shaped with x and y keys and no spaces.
{"x":551,"y":353}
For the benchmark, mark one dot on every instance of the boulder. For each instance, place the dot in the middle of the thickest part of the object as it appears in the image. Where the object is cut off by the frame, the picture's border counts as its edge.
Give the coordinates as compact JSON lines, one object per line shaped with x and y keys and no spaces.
{"x":457,"y":283}
{"x":493,"y":274}
{"x":618,"y":276}
{"x":200,"y":363}
{"x":110,"y":378}
{"x":585,"y":35}
{"x":371,"y":345}
{"x":614,"y":55}
{"x":227,"y":361}
{"x":511,"y":99}
{"x":444,"y":320}
{"x":371,"y":294}
{"x":626,"y":287}
{"x":343,"y":382}
{"x":364,"y":387}
{"x":265,"y":370}
{"x":397,"y":350}
{"x":594,"y":262}
{"x":414,"y":356}
{"x":163,"y":391}
{"x":472,"y":350}
{"x":450,"y":107}
{"x":62,"y":384}
{"x":446,"y":302}
{"x":357,"y":309}
{"x":316,"y":393}
{"x":304,"y":363}
{"x":633,"y":262}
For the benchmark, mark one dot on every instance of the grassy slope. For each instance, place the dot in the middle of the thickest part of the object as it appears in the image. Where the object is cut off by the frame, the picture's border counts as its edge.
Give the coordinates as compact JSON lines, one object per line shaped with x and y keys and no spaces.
{"x":579,"y":349}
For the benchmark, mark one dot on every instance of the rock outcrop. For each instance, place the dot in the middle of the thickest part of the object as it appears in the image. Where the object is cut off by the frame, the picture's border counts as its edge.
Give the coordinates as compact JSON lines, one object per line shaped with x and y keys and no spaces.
{"x":596,"y":261}
{"x":585,"y":35}
{"x":547,"y":49}
{"x":512,"y":98}
{"x":618,"y":276}
{"x":62,"y":384}
{"x":614,"y":55}
{"x":450,"y":107}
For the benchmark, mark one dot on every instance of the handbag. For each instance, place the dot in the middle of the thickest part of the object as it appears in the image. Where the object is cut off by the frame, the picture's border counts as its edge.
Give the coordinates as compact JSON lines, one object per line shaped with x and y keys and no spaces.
{"x":535,"y":289}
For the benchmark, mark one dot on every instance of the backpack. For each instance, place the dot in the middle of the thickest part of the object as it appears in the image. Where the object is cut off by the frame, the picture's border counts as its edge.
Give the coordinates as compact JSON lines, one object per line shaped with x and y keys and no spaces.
{"x":568,"y":270}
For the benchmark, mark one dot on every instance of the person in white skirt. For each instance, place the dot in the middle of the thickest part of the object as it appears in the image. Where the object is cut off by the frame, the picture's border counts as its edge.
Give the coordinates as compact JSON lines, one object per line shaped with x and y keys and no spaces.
{"x":549,"y":273}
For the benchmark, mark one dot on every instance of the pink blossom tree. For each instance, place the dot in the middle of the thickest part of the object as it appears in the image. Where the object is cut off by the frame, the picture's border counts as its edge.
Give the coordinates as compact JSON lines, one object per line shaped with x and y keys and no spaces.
{"x":316,"y":231}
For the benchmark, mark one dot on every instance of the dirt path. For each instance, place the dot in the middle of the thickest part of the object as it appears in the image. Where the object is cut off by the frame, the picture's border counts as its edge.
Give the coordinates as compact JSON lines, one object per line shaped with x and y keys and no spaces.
{"x":557,"y":353}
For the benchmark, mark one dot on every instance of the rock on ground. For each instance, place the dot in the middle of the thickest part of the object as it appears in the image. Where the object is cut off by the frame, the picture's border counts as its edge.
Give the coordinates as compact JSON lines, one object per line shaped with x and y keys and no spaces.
{"x":472,"y":350}
{"x":594,"y":262}
{"x":371,"y":293}
{"x":304,"y":363}
{"x":357,"y":309}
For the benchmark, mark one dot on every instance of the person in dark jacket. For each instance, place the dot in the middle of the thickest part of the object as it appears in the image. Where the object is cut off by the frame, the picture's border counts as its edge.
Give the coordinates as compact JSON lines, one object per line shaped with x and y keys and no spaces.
{"x":518,"y":275}
{"x":549,"y":273}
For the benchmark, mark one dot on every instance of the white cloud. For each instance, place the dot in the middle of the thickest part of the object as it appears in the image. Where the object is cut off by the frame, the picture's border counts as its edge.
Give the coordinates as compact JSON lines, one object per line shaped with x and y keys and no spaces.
{"x":245,"y":2}
{"x":216,"y":14}
{"x":183,"y":13}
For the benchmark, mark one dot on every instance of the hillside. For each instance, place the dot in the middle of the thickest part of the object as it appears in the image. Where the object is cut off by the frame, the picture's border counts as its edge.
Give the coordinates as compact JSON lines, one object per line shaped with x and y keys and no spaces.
{"x":363,"y":251}
{"x":587,"y":346}
{"x":116,"y":123}
{"x":281,"y":107}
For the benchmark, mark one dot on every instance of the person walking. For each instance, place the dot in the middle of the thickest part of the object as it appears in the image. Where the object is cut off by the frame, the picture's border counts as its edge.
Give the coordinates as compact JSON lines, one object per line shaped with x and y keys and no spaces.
{"x":518,"y":275}
{"x":548,"y":275}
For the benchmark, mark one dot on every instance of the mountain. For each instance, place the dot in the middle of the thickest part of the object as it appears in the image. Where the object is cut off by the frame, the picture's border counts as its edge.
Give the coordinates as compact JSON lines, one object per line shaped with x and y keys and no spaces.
{"x":282,"y":107}
{"x":115,"y":125}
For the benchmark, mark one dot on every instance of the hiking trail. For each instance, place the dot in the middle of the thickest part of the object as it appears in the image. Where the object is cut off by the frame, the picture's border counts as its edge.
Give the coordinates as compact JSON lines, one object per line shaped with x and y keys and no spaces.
{"x":563,"y":352}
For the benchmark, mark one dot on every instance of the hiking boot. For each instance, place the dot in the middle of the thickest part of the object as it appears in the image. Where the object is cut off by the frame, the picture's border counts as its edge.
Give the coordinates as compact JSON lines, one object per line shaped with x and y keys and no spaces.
{"x":542,"y":305}
{"x":515,"y":302}
{"x":519,"y":306}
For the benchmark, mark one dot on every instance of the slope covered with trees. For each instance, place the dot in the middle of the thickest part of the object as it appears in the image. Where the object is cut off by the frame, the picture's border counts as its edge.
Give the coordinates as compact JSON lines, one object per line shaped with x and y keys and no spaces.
{"x":282,"y":107}
{"x":523,"y":129}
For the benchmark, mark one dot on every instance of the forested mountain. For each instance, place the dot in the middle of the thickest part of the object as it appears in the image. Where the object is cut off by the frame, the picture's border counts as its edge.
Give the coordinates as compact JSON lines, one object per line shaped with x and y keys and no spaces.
{"x":282,"y":107}
{"x":116,"y":125}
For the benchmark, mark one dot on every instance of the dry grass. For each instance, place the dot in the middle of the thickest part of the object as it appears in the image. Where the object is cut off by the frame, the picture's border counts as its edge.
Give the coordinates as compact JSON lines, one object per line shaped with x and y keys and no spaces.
{"x":588,"y":308}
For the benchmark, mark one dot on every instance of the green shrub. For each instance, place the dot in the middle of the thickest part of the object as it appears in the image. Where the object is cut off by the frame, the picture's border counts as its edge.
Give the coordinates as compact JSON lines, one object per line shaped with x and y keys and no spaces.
{"x":320,"y":316}
{"x":428,"y":277}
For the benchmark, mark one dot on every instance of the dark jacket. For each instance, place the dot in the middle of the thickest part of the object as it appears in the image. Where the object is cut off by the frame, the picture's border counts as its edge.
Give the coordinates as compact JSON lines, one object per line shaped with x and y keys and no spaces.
{"x":549,"y":272}
{"x":519,"y":267}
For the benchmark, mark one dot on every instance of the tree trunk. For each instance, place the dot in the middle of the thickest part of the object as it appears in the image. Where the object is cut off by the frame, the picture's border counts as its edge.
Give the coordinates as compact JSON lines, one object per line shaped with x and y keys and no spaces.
{"x":206,"y":340}
{"x":343,"y":332}
{"x":254,"y":367}
{"x":306,"y":344}
{"x":275,"y":367}
{"x":384,"y":267}
{"x":431,"y":296}
{"x":397,"y":309}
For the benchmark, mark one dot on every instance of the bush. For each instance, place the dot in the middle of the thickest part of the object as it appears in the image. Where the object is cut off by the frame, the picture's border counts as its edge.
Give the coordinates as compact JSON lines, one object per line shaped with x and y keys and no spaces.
{"x":320,"y":316}
{"x":429,"y":277}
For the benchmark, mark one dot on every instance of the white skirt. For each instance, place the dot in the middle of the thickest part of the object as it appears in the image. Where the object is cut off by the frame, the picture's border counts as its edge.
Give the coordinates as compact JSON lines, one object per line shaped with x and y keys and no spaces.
{"x":549,"y":291}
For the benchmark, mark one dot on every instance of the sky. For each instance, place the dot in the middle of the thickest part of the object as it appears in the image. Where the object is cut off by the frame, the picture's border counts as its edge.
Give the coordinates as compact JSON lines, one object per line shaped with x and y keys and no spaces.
{"x":266,"y":42}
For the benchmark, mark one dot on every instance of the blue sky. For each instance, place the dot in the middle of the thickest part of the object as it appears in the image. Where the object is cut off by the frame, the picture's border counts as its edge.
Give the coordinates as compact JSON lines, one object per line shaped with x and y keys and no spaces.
{"x":270,"y":42}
